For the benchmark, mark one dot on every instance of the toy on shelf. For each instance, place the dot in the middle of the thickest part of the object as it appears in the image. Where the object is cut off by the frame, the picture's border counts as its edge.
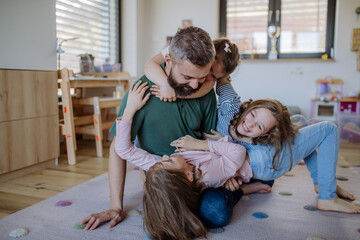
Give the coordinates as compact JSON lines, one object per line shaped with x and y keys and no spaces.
{"x":329,"y":89}
{"x":328,"y":93}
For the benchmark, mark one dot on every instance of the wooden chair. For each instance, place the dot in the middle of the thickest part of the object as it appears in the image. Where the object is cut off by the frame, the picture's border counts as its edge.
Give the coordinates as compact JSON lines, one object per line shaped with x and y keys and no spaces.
{"x":84,"y":123}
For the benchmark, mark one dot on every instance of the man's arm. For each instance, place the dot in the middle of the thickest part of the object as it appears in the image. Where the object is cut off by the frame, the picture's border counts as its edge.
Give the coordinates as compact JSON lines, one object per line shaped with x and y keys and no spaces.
{"x":117,"y":174}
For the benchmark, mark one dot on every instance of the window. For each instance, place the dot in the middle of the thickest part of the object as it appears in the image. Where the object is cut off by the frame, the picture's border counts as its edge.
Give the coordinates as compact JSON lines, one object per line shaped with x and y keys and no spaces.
{"x":305,"y":29}
{"x":94,"y":24}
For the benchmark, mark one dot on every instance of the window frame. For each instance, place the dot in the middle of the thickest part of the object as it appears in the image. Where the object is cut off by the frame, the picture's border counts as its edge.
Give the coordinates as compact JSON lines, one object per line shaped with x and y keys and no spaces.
{"x":276,"y":5}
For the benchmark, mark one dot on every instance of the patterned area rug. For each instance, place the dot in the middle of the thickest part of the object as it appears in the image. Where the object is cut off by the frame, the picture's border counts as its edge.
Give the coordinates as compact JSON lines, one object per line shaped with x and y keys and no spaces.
{"x":287,"y":217}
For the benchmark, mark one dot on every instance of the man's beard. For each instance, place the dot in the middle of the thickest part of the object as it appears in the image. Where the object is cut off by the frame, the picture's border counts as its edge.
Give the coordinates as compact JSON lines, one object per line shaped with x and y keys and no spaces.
{"x":181,"y":89}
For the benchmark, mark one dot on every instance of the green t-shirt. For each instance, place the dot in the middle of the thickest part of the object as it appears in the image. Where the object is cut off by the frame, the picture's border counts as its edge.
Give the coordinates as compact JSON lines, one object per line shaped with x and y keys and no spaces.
{"x":158,"y":123}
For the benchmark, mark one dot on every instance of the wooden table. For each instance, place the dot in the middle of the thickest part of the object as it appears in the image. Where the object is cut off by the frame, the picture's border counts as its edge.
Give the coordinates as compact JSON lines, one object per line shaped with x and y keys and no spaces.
{"x":86,"y":81}
{"x":78,"y":83}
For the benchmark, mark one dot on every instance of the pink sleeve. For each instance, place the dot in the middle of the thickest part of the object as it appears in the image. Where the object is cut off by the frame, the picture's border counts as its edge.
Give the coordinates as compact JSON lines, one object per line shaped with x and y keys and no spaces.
{"x":231,"y":160}
{"x":231,"y":154}
{"x":128,"y":151}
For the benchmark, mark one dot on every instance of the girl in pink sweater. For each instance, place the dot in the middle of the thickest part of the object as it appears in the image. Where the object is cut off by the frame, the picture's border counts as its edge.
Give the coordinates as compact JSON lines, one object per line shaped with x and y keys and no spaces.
{"x":212,"y":168}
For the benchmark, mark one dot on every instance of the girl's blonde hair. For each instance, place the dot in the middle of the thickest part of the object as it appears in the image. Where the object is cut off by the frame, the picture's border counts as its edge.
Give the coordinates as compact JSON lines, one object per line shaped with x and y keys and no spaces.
{"x":228,"y":53}
{"x":282,"y":135}
{"x":170,"y":202}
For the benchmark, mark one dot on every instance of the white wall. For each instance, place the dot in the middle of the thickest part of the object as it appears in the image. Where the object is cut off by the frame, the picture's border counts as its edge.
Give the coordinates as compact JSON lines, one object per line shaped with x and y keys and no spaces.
{"x":28,"y":34}
{"x":160,"y":18}
{"x":146,"y":24}
{"x":130,"y":36}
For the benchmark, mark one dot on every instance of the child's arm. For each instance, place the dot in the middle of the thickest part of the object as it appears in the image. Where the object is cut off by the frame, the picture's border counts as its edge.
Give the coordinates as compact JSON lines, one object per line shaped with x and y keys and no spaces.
{"x":230,"y":161}
{"x":123,"y":146}
{"x":162,"y":89}
{"x":204,"y":89}
{"x":136,"y":100}
{"x":188,"y":143}
{"x":229,"y":105}
{"x":226,"y":93}
{"x":231,"y":154}
{"x":155,"y":73}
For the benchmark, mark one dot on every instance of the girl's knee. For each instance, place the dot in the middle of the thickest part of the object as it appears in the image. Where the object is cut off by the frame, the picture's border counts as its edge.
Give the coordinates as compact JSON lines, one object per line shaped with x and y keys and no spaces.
{"x":330,"y":126}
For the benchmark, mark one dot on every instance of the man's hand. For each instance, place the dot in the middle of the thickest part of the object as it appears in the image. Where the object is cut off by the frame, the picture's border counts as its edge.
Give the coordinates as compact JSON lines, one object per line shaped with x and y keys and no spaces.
{"x":96,"y":219}
{"x":233,"y":184}
{"x":165,"y":93}
{"x":214,"y":136}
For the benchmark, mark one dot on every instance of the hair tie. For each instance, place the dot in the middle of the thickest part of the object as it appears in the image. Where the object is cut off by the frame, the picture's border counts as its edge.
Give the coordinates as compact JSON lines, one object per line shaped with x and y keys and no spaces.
{"x":227,"y":48}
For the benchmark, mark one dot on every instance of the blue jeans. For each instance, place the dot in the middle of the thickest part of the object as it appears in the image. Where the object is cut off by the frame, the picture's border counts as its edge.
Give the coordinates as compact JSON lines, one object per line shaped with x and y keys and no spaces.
{"x":217,"y":204}
{"x":321,"y":163}
{"x":216,"y":207}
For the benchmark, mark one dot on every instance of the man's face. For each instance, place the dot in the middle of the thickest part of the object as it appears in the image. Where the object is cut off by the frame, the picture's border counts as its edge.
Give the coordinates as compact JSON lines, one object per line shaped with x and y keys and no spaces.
{"x":186,"y":78}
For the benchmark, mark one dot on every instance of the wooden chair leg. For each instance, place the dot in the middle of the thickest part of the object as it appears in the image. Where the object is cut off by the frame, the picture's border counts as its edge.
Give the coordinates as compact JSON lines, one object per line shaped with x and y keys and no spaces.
{"x":105,"y":113}
{"x":70,"y":148}
{"x":98,"y":127}
{"x":69,"y":129}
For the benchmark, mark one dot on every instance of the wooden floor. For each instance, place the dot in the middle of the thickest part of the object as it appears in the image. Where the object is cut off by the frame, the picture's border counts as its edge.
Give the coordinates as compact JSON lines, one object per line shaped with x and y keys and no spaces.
{"x":22,"y":192}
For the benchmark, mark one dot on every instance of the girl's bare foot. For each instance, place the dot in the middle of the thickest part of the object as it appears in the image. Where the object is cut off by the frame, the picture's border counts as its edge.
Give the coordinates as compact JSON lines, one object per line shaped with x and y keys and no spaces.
{"x":344,"y":194}
{"x":340,"y":192}
{"x":255,"y":187}
{"x":337,"y":205}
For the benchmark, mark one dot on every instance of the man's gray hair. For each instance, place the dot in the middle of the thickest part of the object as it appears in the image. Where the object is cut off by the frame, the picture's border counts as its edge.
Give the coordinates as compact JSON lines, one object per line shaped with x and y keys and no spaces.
{"x":192,"y":44}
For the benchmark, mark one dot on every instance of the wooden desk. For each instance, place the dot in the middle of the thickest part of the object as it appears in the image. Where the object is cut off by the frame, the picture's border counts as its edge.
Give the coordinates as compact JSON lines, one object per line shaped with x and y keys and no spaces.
{"x":94,"y":122}
{"x":86,"y":81}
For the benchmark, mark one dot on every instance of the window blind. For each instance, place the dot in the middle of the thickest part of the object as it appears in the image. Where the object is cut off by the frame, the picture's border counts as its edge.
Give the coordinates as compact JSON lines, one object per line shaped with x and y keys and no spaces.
{"x":247,"y":22}
{"x":95,"y":23}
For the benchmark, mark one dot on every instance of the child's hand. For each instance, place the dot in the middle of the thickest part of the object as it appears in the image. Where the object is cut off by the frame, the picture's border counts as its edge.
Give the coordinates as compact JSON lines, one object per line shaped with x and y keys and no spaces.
{"x":165,"y":93}
{"x":233,"y":184}
{"x":188,"y":143}
{"x":214,"y":136}
{"x":136,"y":99}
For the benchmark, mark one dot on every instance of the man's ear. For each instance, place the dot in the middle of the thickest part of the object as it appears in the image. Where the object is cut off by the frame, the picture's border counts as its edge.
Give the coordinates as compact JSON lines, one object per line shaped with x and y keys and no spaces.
{"x":168,"y":60}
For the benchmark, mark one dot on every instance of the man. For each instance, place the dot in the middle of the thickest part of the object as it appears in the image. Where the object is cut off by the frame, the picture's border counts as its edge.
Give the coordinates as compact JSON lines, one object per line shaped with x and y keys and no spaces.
{"x":191,"y":55}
